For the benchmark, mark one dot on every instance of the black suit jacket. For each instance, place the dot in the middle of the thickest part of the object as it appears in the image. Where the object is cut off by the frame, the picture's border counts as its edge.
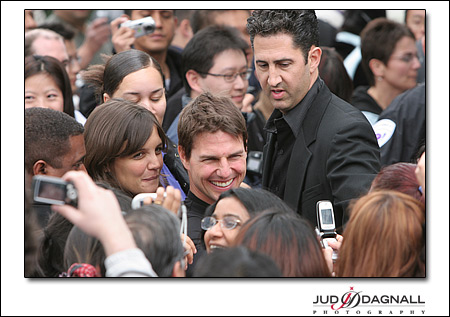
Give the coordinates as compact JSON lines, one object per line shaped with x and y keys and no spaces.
{"x":335,"y":157}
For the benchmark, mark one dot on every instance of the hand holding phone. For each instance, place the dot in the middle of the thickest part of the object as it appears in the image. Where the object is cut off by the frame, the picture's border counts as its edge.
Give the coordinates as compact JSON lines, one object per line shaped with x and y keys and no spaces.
{"x":326,"y":224}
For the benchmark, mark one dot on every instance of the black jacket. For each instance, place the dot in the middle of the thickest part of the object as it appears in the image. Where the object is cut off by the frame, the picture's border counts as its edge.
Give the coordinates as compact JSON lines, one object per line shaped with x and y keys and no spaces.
{"x":401,"y":127}
{"x":335,"y":157}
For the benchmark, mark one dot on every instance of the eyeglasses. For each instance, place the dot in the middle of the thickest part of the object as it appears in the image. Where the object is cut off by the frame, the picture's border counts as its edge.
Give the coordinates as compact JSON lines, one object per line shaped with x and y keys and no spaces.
{"x":228,"y":222}
{"x":408,"y":58}
{"x":229,"y":78}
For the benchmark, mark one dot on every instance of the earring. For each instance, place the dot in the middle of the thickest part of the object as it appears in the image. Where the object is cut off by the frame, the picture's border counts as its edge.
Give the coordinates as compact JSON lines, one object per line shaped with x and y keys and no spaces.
{"x":379,"y":78}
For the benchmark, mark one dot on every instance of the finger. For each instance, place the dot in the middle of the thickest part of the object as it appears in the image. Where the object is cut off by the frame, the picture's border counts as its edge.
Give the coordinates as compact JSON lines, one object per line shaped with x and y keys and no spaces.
{"x":99,"y":21}
{"x":147,"y":200}
{"x":159,"y":196}
{"x":190,"y":243}
{"x":116,"y":22}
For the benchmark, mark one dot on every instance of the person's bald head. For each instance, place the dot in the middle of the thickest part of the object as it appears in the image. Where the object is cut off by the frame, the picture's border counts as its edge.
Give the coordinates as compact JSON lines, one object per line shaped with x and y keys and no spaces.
{"x":46,"y":43}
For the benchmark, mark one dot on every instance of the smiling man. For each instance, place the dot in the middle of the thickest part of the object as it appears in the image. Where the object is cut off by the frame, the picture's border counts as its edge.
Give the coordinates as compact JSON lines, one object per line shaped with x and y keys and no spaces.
{"x":319,"y":147}
{"x":213,"y":148}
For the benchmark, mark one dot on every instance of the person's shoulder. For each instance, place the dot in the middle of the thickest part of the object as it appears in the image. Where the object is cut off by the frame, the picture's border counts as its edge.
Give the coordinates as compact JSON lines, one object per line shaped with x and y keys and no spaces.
{"x":410,"y":101}
{"x":174,"y":55}
{"x":176,"y":97}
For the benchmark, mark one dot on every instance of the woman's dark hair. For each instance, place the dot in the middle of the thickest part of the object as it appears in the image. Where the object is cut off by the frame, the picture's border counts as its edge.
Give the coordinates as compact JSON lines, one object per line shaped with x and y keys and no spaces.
{"x":106,"y":78}
{"x":50,"y":256}
{"x":400,"y":177}
{"x":117,"y":128}
{"x":255,"y":200}
{"x":36,"y":64}
{"x":334,"y":74}
{"x":236,"y":262}
{"x":288,"y":239}
{"x":82,"y":248}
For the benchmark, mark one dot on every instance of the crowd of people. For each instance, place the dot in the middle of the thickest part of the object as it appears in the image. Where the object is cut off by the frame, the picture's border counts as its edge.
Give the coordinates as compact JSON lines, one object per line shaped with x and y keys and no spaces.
{"x":238,"y":122}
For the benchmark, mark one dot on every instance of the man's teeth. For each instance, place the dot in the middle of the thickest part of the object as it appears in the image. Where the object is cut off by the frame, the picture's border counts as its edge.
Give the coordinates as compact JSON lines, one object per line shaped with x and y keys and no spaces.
{"x":222,"y":184}
{"x":215,"y":247}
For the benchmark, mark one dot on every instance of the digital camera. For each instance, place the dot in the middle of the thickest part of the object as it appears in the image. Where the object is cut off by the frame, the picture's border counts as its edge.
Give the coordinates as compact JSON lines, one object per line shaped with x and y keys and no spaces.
{"x":142,"y":26}
{"x":54,"y":191}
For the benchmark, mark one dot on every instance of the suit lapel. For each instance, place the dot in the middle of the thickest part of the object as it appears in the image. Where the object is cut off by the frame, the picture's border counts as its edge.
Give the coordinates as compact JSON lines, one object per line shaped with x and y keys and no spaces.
{"x":301,"y":155}
{"x":298,"y":165}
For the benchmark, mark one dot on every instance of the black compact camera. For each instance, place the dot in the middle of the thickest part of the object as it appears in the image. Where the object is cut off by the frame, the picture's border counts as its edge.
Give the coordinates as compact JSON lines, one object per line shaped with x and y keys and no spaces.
{"x":142,"y":26}
{"x":255,"y":162}
{"x":54,"y":191}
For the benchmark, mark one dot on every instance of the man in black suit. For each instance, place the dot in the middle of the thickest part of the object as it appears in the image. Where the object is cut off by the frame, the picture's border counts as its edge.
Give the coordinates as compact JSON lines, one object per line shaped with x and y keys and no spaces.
{"x":319,"y":147}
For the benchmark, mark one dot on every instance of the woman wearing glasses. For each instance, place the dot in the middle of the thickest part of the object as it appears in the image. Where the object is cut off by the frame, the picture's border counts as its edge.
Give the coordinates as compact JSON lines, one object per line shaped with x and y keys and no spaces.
{"x":389,"y":59}
{"x":224,"y":218}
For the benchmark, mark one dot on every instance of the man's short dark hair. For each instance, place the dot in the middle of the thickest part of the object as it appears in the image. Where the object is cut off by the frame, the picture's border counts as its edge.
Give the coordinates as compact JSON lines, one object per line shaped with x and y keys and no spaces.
{"x":47,"y":136}
{"x":199,"y":56}
{"x":302,"y":25}
{"x":209,"y":113}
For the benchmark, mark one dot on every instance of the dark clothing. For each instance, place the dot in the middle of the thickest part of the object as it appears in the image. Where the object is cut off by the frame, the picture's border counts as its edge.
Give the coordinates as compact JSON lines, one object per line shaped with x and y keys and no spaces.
{"x":401,"y":127}
{"x":173,"y":162}
{"x":43,"y":213}
{"x":335,"y":155}
{"x":173,"y":61}
{"x":88,"y":100}
{"x":284,"y":130}
{"x":123,"y":198}
{"x":364,"y":102}
{"x":173,"y":108}
{"x":195,"y":212}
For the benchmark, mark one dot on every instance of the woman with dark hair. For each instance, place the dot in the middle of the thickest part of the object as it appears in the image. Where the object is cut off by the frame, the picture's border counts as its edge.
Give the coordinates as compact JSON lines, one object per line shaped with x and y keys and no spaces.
{"x":400,"y":177}
{"x":47,"y":85}
{"x":135,"y":76}
{"x":124,"y":144}
{"x":84,"y":255}
{"x":384,"y":237}
{"x":334,"y":74}
{"x":234,"y":207}
{"x":288,"y":239}
{"x":389,"y":59}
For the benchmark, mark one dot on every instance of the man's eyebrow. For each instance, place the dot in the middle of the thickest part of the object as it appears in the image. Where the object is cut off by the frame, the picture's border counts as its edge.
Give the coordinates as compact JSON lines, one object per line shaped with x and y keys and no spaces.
{"x":202,"y":157}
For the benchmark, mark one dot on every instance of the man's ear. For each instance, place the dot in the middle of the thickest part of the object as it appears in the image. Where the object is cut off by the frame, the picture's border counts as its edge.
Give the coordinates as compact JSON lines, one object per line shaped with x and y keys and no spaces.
{"x":193,"y":78}
{"x":186,"y":29}
{"x":106,"y":97}
{"x":314,"y":56}
{"x":40,"y":168}
{"x":183,"y":157}
{"x":178,"y":271}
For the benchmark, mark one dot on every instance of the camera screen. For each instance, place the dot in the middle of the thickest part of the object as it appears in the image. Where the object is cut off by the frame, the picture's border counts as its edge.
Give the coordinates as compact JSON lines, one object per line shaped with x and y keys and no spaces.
{"x":327,"y":216}
{"x":52,"y":191}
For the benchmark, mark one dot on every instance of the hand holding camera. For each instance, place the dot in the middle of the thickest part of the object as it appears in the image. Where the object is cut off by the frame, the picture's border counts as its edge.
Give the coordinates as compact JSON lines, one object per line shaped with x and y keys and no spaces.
{"x":98,"y":213}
